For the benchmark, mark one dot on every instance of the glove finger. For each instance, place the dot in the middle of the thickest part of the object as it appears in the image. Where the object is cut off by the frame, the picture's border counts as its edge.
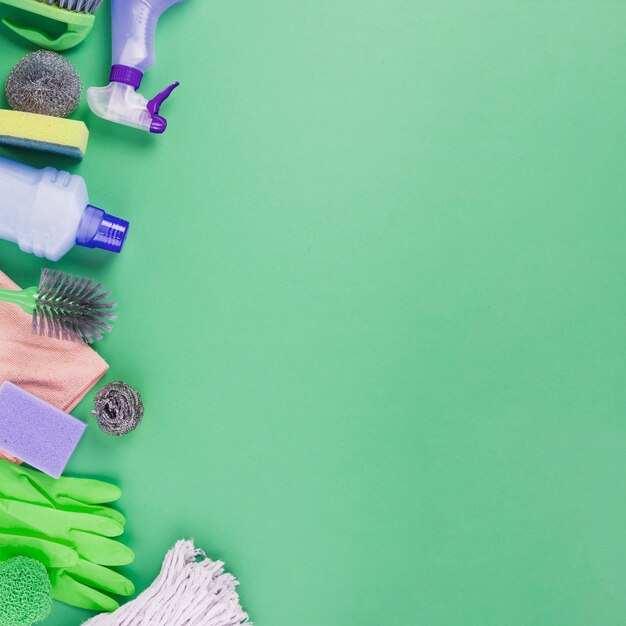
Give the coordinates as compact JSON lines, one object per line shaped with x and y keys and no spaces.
{"x":101,"y":550}
{"x":101,"y":577}
{"x":108,"y":512}
{"x":50,"y":553}
{"x":86,"y":490}
{"x":66,"y":589}
{"x":52,"y":522}
{"x":23,"y":483}
{"x":65,"y":504}
{"x":94,"y":509}
{"x":37,"y":498}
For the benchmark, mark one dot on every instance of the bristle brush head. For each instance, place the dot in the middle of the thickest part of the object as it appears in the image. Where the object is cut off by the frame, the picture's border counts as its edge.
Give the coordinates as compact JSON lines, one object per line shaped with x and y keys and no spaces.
{"x":80,"y":6}
{"x":72,"y":308}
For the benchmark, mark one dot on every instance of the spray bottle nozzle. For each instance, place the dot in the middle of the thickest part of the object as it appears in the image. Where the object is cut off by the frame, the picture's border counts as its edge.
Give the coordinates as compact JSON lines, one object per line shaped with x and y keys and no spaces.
{"x":159,"y":123}
{"x":121,"y":102}
{"x":134,"y":24}
{"x":98,"y":229}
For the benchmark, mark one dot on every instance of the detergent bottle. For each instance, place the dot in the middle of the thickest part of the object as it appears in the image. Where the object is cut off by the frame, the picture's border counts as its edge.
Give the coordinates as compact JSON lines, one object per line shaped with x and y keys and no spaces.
{"x":134,"y":25}
{"x":46,"y":212}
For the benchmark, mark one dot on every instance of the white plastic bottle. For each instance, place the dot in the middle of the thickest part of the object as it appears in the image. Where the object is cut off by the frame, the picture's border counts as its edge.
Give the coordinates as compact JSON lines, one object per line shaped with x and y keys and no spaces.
{"x":134,"y":30}
{"x":46,"y":212}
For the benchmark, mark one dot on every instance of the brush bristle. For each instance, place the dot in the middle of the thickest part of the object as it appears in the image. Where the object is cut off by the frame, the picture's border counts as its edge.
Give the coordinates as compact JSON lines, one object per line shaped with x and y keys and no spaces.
{"x":80,"y":6}
{"x":72,"y":308}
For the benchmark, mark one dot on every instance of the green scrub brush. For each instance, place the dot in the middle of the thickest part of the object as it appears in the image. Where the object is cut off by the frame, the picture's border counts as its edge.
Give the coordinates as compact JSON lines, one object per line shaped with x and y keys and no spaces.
{"x":65,"y":306}
{"x":77,"y":14}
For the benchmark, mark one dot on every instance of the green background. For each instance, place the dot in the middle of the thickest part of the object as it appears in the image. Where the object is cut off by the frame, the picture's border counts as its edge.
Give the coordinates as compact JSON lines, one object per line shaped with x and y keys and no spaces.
{"x":373,"y":297}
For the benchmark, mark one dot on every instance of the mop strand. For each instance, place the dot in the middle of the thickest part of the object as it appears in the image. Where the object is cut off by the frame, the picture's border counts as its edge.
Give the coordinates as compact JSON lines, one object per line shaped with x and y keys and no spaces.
{"x":191,"y":590}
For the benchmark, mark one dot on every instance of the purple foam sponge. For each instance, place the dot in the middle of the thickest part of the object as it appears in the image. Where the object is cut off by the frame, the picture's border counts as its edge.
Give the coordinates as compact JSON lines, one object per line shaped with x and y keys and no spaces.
{"x":35,"y":431}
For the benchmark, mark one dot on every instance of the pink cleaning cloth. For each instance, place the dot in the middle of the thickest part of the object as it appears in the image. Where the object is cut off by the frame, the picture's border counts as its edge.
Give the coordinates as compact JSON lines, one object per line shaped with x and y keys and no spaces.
{"x":59,"y":372}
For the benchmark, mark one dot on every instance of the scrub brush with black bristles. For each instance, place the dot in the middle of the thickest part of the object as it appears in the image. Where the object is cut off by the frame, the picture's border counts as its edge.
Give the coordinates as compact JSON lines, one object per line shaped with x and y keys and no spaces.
{"x":65,"y":306}
{"x":78,"y":15}
{"x":80,"y":6}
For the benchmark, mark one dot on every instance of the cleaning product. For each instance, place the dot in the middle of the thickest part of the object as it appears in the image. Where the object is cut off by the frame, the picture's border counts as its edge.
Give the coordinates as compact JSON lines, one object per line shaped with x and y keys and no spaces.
{"x":44,"y":133}
{"x":59,"y":372}
{"x":68,"y":526}
{"x":78,"y":15}
{"x":118,"y":409}
{"x":65,"y":306}
{"x":134,"y":28}
{"x":46,"y":83}
{"x":25,"y":592}
{"x":47,"y":212}
{"x":191,"y":590}
{"x":43,"y":88}
{"x":35,"y":431}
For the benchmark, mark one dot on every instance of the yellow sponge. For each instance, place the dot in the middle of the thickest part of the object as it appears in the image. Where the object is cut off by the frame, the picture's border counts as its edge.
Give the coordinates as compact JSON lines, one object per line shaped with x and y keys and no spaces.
{"x":44,"y":132}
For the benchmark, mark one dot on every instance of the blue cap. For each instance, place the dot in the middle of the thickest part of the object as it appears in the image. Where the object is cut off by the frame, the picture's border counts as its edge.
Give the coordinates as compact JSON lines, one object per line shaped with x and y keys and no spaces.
{"x":98,"y":229}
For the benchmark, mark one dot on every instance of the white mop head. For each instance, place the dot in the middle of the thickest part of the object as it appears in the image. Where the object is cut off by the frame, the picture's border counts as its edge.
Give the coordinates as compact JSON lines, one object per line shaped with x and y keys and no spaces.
{"x":191,"y":590}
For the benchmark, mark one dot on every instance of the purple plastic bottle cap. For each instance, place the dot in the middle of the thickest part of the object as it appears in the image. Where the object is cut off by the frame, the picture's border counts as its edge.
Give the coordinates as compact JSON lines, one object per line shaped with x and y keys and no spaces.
{"x":126,"y":75}
{"x":98,"y":229}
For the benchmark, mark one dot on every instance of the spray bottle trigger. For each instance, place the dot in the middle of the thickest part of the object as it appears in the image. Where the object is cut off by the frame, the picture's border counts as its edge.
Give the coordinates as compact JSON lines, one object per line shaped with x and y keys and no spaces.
{"x":159,"y":123}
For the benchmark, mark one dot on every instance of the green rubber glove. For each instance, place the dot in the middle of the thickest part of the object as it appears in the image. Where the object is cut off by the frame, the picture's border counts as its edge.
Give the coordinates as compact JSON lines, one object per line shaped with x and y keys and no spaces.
{"x":83,"y":585}
{"x":64,"y":524}
{"x":74,"y":580}
{"x":50,"y":553}
{"x":70,"y":494}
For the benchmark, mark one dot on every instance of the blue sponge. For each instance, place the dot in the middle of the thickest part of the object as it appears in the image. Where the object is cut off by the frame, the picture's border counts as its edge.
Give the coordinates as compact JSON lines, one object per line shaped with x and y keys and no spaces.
{"x":35,"y":431}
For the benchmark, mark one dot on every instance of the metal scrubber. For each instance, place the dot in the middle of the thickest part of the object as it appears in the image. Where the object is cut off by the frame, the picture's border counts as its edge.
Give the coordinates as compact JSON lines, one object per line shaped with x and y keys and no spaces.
{"x":119,"y":409}
{"x":45,"y":83}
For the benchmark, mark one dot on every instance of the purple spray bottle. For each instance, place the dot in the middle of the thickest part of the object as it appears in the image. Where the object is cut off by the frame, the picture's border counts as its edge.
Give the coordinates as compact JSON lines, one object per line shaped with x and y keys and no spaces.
{"x":134,"y":28}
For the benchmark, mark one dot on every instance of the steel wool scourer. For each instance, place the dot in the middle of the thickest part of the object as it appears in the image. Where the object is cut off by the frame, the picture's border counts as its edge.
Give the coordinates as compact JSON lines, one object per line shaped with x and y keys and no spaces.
{"x":44,"y":83}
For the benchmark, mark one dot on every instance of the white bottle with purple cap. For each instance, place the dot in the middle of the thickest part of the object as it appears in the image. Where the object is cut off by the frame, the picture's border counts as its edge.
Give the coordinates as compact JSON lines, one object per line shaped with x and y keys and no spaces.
{"x":46,"y":212}
{"x":134,"y":25}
